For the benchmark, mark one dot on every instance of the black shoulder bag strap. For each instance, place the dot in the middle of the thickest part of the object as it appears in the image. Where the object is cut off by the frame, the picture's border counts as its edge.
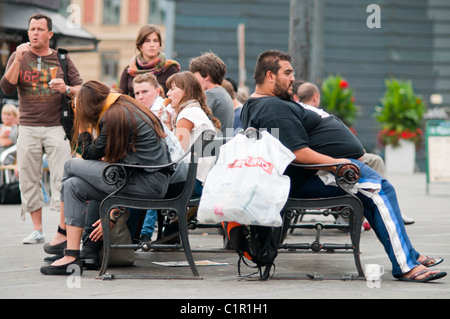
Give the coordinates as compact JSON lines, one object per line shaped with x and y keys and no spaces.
{"x":67,"y":114}
{"x":62,"y":56}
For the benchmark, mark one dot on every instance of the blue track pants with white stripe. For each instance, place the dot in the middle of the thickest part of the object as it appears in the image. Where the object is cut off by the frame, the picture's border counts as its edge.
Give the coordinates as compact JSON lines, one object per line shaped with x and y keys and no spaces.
{"x":381,"y":211}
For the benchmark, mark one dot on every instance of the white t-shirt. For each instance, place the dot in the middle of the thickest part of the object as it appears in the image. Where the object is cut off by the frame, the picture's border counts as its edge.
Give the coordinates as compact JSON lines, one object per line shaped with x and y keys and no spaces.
{"x":197,"y":116}
{"x":321,"y":112}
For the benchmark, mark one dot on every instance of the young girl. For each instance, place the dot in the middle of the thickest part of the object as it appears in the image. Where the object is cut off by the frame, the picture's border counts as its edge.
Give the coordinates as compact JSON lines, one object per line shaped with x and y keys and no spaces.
{"x":192,"y":116}
{"x":128,"y":133}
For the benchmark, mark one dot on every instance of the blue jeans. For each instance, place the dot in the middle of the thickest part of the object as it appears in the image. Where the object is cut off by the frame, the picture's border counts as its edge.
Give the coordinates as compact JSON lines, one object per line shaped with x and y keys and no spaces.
{"x":148,"y":226}
{"x":149,"y":223}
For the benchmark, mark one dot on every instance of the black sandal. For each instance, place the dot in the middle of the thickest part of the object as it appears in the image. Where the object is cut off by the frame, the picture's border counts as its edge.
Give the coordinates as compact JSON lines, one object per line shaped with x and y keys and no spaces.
{"x":56,"y":249}
{"x":75,"y":266}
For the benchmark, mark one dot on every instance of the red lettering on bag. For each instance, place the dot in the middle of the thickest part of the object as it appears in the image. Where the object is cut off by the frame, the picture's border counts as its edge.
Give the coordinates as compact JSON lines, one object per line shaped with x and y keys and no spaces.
{"x":253,"y":162}
{"x":218,"y":210}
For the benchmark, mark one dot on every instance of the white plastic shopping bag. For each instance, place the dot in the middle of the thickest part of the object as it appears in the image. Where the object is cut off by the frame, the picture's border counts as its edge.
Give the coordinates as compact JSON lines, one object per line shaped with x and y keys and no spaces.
{"x":247,"y":184}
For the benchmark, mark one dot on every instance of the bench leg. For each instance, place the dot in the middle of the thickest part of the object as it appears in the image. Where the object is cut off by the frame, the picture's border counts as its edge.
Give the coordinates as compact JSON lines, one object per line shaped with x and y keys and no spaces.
{"x":160,"y":225}
{"x":104,"y":215}
{"x":182,"y":224}
{"x":284,"y":227}
{"x":355,"y":234}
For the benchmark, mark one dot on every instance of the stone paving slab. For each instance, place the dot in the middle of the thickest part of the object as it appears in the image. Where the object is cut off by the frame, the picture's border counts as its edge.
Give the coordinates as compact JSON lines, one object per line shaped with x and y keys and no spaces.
{"x":20,"y":277}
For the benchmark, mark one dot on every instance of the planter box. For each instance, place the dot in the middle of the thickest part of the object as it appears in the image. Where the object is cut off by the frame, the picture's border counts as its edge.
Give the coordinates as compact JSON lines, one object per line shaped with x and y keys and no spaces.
{"x":400,"y":159}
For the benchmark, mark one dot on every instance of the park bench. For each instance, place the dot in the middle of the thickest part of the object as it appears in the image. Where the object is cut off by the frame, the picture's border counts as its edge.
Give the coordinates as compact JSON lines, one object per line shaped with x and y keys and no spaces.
{"x":347,"y":205}
{"x":118,"y":174}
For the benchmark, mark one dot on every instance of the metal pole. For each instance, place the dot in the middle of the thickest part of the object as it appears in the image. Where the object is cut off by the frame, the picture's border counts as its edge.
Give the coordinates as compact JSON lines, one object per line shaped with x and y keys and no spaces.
{"x":299,"y":37}
{"x":170,"y":29}
{"x":241,"y":49}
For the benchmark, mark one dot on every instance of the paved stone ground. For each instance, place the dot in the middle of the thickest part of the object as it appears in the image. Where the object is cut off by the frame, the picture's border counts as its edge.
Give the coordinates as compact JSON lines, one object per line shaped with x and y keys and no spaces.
{"x":20,"y":277}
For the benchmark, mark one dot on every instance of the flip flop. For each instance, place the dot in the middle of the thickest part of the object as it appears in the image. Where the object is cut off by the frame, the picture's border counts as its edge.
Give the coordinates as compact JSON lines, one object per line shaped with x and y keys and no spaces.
{"x":421,"y":272}
{"x":436,"y":261}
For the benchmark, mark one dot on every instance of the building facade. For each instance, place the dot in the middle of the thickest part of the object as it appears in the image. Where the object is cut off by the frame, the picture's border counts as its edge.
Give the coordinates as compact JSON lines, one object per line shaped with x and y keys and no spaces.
{"x":364,"y":41}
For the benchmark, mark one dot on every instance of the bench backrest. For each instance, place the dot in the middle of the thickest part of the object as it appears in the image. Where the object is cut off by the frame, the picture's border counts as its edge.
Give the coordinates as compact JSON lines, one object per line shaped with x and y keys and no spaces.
{"x":200,"y":148}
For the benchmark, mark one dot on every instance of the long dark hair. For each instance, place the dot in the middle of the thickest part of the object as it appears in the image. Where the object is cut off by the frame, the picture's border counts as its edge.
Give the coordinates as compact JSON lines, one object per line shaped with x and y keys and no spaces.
{"x":90,"y":102}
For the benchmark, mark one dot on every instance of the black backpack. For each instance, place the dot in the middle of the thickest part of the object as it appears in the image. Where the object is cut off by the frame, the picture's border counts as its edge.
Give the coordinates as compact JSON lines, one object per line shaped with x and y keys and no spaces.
{"x":256,"y":243}
{"x":67,"y":112}
{"x":10,"y":193}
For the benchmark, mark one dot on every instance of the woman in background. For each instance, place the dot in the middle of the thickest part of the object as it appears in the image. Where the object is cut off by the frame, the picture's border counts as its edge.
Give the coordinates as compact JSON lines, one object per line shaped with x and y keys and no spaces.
{"x":149,"y":59}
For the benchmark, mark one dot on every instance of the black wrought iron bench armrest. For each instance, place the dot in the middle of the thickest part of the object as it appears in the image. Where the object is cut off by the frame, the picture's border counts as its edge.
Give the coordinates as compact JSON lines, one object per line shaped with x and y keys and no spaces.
{"x":118,"y":173}
{"x":349,"y":176}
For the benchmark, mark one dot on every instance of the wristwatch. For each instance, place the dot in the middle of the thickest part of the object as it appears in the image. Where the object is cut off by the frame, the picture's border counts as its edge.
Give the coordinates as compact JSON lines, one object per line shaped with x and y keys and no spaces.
{"x":67,"y":90}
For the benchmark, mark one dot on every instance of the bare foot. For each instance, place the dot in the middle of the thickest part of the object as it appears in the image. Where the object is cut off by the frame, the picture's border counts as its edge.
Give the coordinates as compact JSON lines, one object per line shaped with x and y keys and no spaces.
{"x":63,"y":261}
{"x":429,"y":261}
{"x":58,"y":239}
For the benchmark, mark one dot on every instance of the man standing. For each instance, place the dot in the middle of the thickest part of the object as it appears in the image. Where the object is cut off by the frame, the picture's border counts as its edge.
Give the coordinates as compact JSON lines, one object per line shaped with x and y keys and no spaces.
{"x":317,"y":140}
{"x":40,"y":130}
{"x":210,"y":70}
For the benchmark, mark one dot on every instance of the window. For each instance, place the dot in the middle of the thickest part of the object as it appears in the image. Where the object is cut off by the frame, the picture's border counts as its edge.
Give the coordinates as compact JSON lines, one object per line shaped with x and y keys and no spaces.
{"x":110,"y":67}
{"x":157,"y":11}
{"x":111,"y":11}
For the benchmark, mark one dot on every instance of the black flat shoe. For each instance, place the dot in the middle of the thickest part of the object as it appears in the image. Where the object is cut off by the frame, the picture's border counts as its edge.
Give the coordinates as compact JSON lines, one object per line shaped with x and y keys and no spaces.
{"x":56,"y":249}
{"x":75,"y":266}
{"x":50,"y":259}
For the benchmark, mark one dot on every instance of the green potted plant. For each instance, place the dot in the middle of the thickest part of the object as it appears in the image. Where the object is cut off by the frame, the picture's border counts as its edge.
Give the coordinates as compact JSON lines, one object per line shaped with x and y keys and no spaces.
{"x":400,"y":117}
{"x":337,"y":99}
{"x":400,"y":114}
